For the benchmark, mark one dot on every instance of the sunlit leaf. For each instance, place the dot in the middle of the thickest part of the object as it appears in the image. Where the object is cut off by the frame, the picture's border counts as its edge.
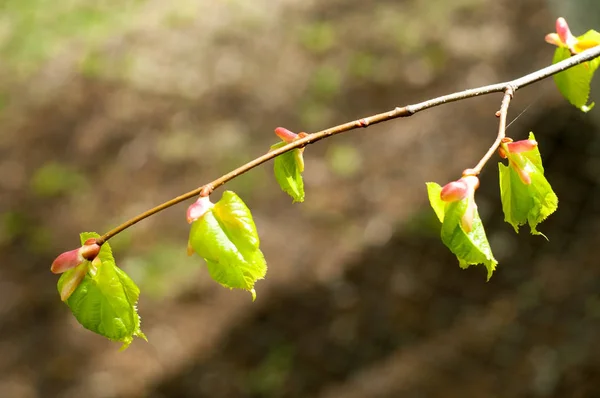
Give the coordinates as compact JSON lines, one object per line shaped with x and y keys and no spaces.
{"x":526,"y":203}
{"x":470,"y":248}
{"x":288,"y":169}
{"x":574,"y":83}
{"x":588,"y":40}
{"x":226,"y":237}
{"x":105,"y":300}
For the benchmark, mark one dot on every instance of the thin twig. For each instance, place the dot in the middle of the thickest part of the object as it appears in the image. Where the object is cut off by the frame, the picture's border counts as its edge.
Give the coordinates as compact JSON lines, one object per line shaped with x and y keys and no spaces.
{"x":508,"y":94}
{"x":405,"y":111}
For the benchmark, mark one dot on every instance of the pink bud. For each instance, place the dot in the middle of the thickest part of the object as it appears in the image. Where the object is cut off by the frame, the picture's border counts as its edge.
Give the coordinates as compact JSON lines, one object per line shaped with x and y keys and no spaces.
{"x":66,"y":261}
{"x":198,"y":208}
{"x":74,"y":280}
{"x":73,"y":258}
{"x":562,"y":28}
{"x":563,"y":37}
{"x":521,"y":146}
{"x":454,"y":191}
{"x":285,"y":134}
{"x":458,"y":190}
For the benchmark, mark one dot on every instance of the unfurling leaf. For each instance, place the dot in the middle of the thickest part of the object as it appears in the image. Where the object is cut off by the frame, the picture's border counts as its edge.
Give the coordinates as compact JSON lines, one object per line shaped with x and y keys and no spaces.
{"x":225,"y":236}
{"x":105,"y":299}
{"x":574,"y":83}
{"x":564,"y":38}
{"x":288,"y":169}
{"x":471,"y":247}
{"x":527,"y":197}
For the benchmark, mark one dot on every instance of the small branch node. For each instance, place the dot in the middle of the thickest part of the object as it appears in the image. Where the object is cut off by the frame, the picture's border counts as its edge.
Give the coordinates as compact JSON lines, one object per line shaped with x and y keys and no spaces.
{"x":207,"y":190}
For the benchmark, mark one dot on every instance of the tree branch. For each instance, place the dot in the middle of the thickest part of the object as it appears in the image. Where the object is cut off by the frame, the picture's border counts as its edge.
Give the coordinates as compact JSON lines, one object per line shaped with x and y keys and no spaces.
{"x":502,"y":113}
{"x":508,"y":87}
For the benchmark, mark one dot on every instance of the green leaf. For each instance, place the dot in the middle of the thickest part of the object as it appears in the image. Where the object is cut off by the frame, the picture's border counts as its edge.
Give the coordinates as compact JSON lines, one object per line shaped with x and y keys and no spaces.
{"x":574,"y":83}
{"x":288,"y":169}
{"x":434,"y":190}
{"x":105,"y":300}
{"x":226,"y":237}
{"x":470,"y":248}
{"x":526,"y":203}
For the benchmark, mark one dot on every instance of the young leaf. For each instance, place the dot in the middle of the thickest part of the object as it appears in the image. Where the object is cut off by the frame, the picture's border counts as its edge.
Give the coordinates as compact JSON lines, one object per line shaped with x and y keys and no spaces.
{"x":526,"y":203}
{"x":225,"y":236}
{"x":434,"y":191}
{"x":574,"y":83}
{"x":105,"y":300}
{"x":288,"y":169}
{"x":470,"y":248}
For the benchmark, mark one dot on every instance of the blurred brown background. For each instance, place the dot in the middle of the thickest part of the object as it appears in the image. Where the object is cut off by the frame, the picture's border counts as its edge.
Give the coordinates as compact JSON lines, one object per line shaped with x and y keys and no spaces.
{"x":111,"y":107}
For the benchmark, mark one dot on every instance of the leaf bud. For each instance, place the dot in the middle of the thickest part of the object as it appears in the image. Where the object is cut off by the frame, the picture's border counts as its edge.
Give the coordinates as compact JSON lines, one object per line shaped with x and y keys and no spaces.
{"x":454,"y":191}
{"x":67,"y":260}
{"x":198,"y":208}
{"x":521,"y":146}
{"x":75,"y":257}
{"x":564,"y":33}
{"x":563,"y":37}
{"x":285,"y":134}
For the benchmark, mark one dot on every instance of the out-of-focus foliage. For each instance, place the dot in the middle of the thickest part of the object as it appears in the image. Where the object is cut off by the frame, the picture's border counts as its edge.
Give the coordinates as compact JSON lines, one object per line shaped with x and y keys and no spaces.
{"x":35,"y":31}
{"x":179,"y":92}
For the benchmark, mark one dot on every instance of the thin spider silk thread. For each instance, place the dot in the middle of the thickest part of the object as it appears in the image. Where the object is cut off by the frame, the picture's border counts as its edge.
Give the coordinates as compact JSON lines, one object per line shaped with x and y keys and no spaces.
{"x":526,"y":108}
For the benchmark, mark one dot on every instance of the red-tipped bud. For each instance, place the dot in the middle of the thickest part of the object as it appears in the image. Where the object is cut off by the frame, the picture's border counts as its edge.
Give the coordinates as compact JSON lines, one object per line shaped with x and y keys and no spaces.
{"x":458,"y":190}
{"x":564,"y":33}
{"x":66,"y":261}
{"x":73,"y":258}
{"x":198,"y":208}
{"x":285,"y":134}
{"x":521,"y":146}
{"x":455,"y":190}
{"x":563,"y":37}
{"x":513,"y":151}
